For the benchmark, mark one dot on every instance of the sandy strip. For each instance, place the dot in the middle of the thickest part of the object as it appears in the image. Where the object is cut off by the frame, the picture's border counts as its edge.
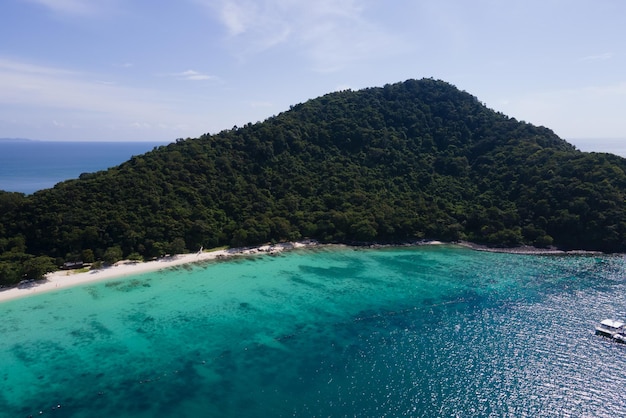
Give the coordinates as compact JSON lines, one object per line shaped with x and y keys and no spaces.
{"x":67,"y":278}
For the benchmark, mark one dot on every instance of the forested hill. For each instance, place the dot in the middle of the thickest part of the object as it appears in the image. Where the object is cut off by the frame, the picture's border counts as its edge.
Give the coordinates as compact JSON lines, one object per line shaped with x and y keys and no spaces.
{"x":418,"y":159}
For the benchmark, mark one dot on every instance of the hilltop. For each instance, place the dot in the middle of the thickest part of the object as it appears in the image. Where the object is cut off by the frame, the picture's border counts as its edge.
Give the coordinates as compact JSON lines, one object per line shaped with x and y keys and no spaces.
{"x":413,"y":160}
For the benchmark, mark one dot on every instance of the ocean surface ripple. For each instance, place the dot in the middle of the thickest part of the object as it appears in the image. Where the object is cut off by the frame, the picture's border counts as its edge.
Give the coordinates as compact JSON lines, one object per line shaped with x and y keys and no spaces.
{"x":333,"y":331}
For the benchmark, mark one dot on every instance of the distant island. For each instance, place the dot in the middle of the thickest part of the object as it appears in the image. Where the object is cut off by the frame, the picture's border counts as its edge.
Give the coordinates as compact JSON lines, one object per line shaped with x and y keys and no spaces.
{"x":404,"y":162}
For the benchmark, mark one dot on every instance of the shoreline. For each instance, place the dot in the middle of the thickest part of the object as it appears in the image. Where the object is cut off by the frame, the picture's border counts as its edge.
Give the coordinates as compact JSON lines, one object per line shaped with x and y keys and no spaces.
{"x":524,"y":250}
{"x":69,"y":278}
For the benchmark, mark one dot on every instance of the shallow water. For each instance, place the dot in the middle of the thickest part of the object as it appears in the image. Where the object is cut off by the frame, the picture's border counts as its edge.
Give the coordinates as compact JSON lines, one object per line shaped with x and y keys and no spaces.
{"x":411,"y":331}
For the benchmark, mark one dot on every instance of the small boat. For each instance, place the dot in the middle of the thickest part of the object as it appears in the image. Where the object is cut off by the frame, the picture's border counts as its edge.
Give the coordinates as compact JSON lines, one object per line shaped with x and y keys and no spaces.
{"x":612,"y":329}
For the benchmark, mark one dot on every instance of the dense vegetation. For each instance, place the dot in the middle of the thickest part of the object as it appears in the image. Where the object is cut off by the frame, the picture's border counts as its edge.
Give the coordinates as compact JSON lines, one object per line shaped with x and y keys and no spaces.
{"x":413,"y":160}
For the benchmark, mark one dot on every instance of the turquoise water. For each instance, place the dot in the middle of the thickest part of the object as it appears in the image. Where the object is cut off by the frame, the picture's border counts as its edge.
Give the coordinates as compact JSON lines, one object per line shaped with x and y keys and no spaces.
{"x":411,"y":331}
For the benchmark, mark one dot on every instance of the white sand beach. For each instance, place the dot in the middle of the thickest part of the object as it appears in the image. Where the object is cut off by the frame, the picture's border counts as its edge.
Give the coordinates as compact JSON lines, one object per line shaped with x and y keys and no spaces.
{"x":66,"y":278}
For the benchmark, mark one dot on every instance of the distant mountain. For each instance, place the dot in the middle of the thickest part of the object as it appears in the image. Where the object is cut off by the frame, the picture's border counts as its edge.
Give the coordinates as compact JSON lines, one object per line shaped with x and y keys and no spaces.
{"x":407,"y":161}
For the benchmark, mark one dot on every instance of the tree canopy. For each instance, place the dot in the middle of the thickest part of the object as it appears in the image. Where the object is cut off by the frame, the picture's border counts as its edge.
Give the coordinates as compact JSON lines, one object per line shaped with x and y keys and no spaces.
{"x":407,"y":161}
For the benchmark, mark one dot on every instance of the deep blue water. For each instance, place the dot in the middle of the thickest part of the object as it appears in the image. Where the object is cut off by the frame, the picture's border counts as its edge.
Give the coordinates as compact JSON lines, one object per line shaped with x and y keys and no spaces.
{"x":330,"y":332}
{"x":28,"y":166}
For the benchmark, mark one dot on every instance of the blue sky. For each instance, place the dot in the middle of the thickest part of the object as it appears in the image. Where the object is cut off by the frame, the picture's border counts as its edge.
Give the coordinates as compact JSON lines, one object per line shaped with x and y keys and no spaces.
{"x":158,"y":70}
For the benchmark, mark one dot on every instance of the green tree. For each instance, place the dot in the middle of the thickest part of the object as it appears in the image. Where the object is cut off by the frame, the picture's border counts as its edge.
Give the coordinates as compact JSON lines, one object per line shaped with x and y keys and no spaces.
{"x":88,"y":256}
{"x":35,"y":268}
{"x":177,"y":246}
{"x":10,"y":273}
{"x":112,"y":255}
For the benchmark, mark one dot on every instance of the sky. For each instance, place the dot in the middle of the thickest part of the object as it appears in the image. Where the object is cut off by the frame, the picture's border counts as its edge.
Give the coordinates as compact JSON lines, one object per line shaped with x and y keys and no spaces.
{"x":158,"y":70}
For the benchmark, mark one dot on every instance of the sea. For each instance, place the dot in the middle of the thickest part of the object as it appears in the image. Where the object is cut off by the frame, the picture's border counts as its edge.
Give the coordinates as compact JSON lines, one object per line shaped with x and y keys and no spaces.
{"x":327,"y":331}
{"x":29,"y":166}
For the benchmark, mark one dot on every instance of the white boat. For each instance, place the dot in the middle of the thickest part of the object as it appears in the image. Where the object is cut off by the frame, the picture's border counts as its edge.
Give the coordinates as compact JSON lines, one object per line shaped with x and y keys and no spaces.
{"x":613,"y":329}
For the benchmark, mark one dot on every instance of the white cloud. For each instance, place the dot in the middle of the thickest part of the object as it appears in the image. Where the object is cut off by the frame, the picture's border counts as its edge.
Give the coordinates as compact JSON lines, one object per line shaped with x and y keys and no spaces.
{"x":25,"y":83}
{"x":193,"y":75}
{"x":8,"y":65}
{"x":71,"y":7}
{"x":70,"y":99}
{"x":329,"y":33}
{"x":237,"y":17}
{"x":141,"y":125}
{"x":599,"y":57}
